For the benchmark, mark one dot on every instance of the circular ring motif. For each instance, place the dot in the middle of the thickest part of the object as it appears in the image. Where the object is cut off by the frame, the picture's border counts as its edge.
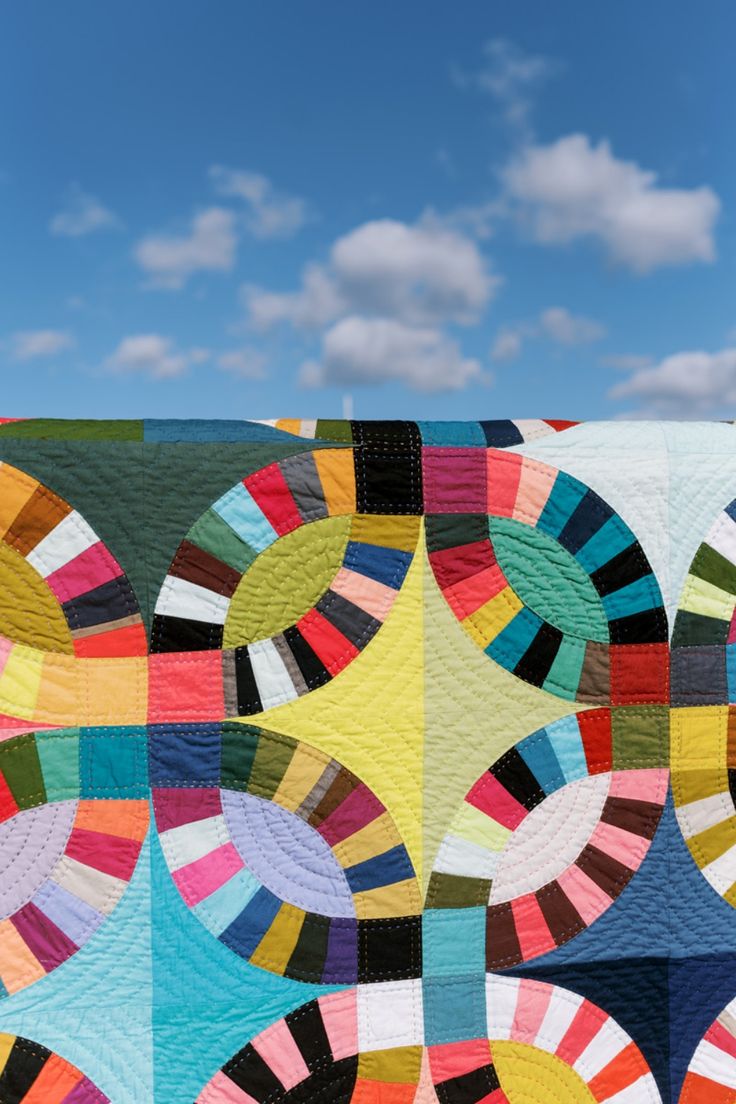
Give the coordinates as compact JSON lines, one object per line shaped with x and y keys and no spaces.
{"x":33,"y":1074}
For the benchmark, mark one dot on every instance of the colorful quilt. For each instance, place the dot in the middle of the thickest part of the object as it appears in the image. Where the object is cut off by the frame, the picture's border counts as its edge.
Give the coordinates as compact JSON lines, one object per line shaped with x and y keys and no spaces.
{"x":370,"y":762}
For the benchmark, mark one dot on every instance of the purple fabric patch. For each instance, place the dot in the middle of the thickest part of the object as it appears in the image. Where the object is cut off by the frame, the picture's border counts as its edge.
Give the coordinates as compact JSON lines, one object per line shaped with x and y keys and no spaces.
{"x":48,"y":943}
{"x":74,"y":917}
{"x":287,"y":855}
{"x":342,"y":952}
{"x":31,"y":844}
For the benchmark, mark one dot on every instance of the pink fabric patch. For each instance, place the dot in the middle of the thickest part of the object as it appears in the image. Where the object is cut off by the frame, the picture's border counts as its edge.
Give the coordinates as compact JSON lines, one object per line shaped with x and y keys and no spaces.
{"x":531,"y":1006}
{"x":504,"y":472}
{"x":358,"y":809}
{"x":535,"y":486}
{"x":448,"y":1060}
{"x":531,"y":928}
{"x":88,"y":570}
{"x":340,"y":1017}
{"x":454,"y":481}
{"x":185,"y":686}
{"x":271,"y":493}
{"x":719,"y":1037}
{"x":368,"y":594}
{"x":624,"y":846}
{"x":585,"y":1026}
{"x":198,"y":879}
{"x":488,"y":795}
{"x":588,"y":898}
{"x":470,"y":594}
{"x":279,"y":1051}
{"x":649,"y":784}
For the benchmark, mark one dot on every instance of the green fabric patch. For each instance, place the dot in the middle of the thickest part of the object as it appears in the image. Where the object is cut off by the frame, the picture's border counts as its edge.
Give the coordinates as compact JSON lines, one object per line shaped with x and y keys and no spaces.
{"x":548,"y":579}
{"x":286,"y":580}
{"x":20,"y":764}
{"x":59,"y":755}
{"x":238,"y":747}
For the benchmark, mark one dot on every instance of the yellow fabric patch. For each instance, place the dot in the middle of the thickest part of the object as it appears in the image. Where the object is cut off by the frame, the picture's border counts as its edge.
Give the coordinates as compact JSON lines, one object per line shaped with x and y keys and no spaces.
{"x":276,"y":947}
{"x":15,"y":489}
{"x":302,"y":773}
{"x":20,"y":681}
{"x":400,"y":532}
{"x":529,"y":1075}
{"x":6,"y":1045}
{"x":400,"y":1065}
{"x":29,"y":610}
{"x":374,"y":839}
{"x":285,"y":581}
{"x":492,"y":618}
{"x":337,"y":476}
{"x":399,"y":899}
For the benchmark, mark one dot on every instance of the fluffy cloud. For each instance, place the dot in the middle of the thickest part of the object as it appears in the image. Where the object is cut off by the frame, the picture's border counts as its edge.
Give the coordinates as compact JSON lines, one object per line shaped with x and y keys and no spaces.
{"x":556,"y":324}
{"x":420,"y":274}
{"x":378,"y":350}
{"x":209,"y":246}
{"x":270,"y":214}
{"x":509,"y":75}
{"x":82,"y":214}
{"x":687,"y":384}
{"x":245,"y":364}
{"x":32,"y":344}
{"x":152,"y":355}
{"x":572,"y":189}
{"x":565,"y":328}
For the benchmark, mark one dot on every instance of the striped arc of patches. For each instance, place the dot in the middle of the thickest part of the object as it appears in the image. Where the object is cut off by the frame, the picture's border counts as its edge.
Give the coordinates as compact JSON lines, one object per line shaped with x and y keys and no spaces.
{"x":94,"y":593}
{"x":563,"y":508}
{"x":215,"y":882}
{"x":709,"y":830}
{"x":316,"y":1046}
{"x":195,"y":598}
{"x":706,"y":609}
{"x":86,"y":882}
{"x":32,"y":1074}
{"x":576,"y":1031}
{"x":711,"y":1074}
{"x":530,"y":924}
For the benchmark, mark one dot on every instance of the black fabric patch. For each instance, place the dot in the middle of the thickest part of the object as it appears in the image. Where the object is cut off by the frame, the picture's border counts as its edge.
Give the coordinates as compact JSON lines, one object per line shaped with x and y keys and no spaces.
{"x":177,"y":634}
{"x":249,"y":700}
{"x":513,"y":773}
{"x":390,"y":950}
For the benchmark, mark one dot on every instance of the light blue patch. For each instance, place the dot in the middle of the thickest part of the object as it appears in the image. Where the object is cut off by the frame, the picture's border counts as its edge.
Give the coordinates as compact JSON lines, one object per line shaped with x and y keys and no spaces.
{"x":538,"y":754}
{"x":59,"y":756}
{"x":453,"y":941}
{"x":218,"y":911}
{"x":449,"y":434}
{"x":113,"y":763}
{"x":454,"y":1009}
{"x":565,"y":738}
{"x":239,"y":510}
{"x":731,"y":670}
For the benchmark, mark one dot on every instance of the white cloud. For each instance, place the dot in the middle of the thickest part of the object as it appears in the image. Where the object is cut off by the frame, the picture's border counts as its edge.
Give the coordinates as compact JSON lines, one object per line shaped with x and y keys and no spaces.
{"x":379,"y":350}
{"x":510,"y":76}
{"x":507,"y":345}
{"x":246,"y":363}
{"x":270,"y":214}
{"x":572,"y":189}
{"x":31,"y":344}
{"x":82,"y":214}
{"x":565,"y":328}
{"x":209,"y":246}
{"x":152,"y":355}
{"x":420,"y":274}
{"x":556,"y":324}
{"x":686,"y":384}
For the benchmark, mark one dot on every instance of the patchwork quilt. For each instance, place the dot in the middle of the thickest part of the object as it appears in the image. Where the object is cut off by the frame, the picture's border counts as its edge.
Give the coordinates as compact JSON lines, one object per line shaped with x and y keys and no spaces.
{"x":370,"y":762}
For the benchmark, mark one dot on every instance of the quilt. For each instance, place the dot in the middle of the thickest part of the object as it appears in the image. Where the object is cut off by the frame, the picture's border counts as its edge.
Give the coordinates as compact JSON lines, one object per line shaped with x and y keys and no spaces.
{"x":367,"y":762}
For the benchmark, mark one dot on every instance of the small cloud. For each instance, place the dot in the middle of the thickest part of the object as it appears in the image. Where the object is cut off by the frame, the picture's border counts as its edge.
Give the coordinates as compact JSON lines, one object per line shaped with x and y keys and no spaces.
{"x":507,"y":345}
{"x":556,"y":324}
{"x":572,"y":189}
{"x":152,"y":355}
{"x":247,"y":363}
{"x":373,"y":351}
{"x":690,"y":384}
{"x":35,"y":344}
{"x":271,"y":214}
{"x":82,"y":214}
{"x":170,"y":260}
{"x":510,"y":75}
{"x":565,"y":328}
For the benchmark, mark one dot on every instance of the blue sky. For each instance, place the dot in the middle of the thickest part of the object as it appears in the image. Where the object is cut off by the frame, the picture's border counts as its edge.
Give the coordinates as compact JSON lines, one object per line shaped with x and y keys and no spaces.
{"x":439,"y":211}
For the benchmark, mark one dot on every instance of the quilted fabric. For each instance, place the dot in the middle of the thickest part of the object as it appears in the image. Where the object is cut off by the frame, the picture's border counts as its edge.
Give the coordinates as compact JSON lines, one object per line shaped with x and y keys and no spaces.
{"x":371,"y":762}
